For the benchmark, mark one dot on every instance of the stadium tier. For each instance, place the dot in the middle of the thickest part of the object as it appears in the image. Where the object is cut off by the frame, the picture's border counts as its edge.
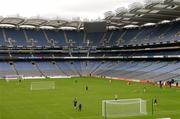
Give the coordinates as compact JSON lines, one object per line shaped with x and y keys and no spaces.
{"x":131,"y":70}
{"x":162,"y":33}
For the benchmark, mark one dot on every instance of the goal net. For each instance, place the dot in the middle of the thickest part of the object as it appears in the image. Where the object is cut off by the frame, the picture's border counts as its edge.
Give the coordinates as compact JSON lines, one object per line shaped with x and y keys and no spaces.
{"x":42,"y":85}
{"x":123,"y":108}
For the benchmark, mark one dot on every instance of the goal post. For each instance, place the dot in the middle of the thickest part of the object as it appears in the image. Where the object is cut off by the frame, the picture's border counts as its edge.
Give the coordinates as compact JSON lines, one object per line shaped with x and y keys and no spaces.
{"x":123,"y":108}
{"x":42,"y":85}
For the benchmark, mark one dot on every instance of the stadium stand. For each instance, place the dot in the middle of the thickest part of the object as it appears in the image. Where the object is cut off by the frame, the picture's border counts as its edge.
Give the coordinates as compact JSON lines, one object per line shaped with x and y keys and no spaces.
{"x":162,"y":33}
{"x":76,"y":42}
{"x":146,"y":52}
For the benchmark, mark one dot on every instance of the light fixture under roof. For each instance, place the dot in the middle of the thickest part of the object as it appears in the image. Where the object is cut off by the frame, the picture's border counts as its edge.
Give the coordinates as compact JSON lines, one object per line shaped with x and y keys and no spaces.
{"x":165,"y":21}
{"x":135,"y":22}
{"x":126,"y":19}
{"x":172,"y":7}
{"x":149,"y":24}
{"x":178,"y":19}
{"x":130,"y":26}
{"x":154,"y":11}
{"x":128,"y":15}
{"x":143,"y":10}
{"x":139,"y":15}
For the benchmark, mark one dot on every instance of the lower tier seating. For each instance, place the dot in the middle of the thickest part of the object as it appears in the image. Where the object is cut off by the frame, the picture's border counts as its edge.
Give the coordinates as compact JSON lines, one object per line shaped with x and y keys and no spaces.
{"x":131,"y":70}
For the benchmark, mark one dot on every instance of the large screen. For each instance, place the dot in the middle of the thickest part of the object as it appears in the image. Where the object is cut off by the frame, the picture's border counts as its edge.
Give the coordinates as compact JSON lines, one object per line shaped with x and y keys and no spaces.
{"x":95,"y":26}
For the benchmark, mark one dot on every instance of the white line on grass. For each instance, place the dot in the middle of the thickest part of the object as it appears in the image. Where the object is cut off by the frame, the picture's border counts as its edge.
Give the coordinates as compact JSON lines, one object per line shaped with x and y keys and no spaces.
{"x":167,"y":112}
{"x":88,"y":117}
{"x":67,"y":115}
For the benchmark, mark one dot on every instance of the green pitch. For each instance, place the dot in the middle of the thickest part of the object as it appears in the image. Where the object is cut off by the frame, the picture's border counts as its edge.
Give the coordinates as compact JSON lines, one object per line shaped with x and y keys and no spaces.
{"x":17,"y":101}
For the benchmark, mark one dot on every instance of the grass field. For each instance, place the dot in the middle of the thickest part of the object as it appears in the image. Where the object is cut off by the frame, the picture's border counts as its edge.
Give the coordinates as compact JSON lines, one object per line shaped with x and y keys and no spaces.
{"x":17,"y":101}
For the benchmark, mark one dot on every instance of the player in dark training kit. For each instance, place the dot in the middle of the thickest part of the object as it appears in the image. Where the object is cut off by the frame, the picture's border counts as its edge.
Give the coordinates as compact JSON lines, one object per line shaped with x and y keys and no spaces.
{"x":155,"y":101}
{"x":80,"y":107}
{"x":87,"y":88}
{"x":75,"y":103}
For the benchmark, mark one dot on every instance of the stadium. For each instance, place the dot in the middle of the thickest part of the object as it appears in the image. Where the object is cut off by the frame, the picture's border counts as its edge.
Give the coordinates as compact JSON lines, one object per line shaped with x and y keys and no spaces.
{"x":123,"y":66}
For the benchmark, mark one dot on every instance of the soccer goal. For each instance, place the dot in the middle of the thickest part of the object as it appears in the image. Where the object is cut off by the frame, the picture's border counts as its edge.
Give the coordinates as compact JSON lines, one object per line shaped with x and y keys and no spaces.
{"x":123,"y":108}
{"x":42,"y":85}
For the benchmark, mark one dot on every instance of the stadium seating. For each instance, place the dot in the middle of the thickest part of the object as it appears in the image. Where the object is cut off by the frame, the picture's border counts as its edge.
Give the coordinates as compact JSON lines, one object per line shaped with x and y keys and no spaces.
{"x":16,"y":36}
{"x":71,"y":41}
{"x":56,"y":37}
{"x":139,"y":70}
{"x":27,"y":69}
{"x":37,"y":37}
{"x":75,"y":37}
{"x":2,"y":40}
{"x":6,"y":69}
{"x":132,"y":36}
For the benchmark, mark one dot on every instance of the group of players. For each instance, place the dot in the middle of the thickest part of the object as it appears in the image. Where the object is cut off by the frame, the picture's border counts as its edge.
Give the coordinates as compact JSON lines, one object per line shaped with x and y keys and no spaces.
{"x":76,"y":104}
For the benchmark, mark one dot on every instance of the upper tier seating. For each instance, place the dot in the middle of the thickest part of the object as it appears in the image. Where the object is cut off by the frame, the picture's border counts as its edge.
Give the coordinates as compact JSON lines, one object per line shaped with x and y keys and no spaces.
{"x":15,"y":36}
{"x":162,"y":33}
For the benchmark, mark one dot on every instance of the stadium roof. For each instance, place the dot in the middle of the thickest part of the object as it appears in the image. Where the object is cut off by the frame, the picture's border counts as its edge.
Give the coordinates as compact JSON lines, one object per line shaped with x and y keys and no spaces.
{"x":153,"y":11}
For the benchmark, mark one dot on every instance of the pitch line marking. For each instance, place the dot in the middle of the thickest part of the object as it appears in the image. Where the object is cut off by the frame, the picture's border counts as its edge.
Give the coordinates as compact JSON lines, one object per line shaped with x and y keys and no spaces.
{"x":67,"y":115}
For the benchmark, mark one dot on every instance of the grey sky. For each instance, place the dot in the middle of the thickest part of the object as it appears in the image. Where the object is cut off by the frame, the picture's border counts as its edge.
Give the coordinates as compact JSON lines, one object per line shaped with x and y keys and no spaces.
{"x":91,"y":9}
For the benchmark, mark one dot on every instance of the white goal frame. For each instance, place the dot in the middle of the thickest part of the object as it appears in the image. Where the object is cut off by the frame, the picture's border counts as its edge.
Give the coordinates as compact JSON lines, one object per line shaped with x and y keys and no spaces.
{"x":140,"y":107}
{"x":42,"y":85}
